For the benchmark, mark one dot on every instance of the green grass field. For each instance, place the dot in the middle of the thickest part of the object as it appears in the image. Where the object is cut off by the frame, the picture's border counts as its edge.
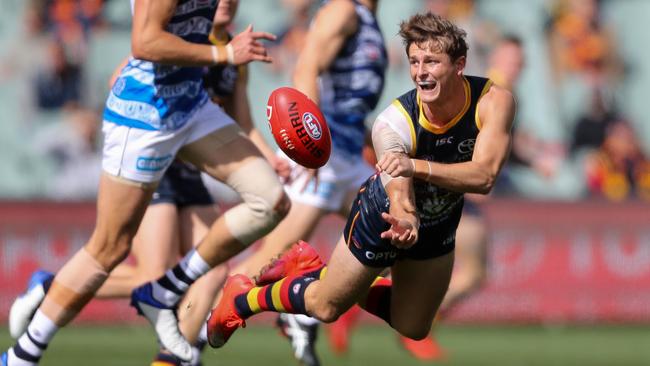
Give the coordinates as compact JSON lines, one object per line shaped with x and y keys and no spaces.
{"x":371,"y":345}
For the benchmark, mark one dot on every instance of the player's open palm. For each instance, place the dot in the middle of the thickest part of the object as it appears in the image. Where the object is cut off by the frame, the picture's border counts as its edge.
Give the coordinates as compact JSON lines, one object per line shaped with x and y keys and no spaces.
{"x":402,"y":232}
{"x":247,"y":47}
{"x":282,"y":168}
{"x":396,"y":165}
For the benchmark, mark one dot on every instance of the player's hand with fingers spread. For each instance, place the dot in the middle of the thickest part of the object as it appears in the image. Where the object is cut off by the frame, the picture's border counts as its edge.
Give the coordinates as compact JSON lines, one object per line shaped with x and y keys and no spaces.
{"x":396,"y":165}
{"x":247,"y":47}
{"x":282,"y":167}
{"x":310,"y":175}
{"x":402,"y":232}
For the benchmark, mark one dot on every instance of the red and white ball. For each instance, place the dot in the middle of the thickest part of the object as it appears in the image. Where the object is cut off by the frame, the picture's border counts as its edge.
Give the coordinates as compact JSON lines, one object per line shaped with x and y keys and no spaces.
{"x":298,"y":127}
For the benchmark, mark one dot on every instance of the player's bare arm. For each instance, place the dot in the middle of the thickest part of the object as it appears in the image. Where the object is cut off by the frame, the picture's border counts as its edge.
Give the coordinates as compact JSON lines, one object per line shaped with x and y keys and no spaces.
{"x":402,"y":216}
{"x":150,"y":41}
{"x":496,"y":112}
{"x":390,"y":136}
{"x":239,"y":108}
{"x":333,"y":24}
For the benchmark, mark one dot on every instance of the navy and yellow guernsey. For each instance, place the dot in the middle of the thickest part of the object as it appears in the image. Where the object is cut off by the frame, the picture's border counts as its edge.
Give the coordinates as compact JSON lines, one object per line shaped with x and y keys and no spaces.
{"x":439,"y":209}
{"x":451,"y":143}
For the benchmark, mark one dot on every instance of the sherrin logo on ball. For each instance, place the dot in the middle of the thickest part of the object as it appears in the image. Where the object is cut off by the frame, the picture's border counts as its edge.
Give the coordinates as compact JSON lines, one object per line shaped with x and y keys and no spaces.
{"x":298,"y":127}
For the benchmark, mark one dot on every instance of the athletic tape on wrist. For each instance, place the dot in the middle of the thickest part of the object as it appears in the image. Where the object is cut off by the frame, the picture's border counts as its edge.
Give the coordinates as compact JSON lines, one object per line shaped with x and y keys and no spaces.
{"x":215,"y":54}
{"x":230,"y":52}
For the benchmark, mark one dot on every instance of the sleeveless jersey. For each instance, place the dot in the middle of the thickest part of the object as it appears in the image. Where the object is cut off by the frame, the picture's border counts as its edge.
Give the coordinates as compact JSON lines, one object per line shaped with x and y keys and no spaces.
{"x":163,"y":97}
{"x":452,"y":143}
{"x":351,"y":87}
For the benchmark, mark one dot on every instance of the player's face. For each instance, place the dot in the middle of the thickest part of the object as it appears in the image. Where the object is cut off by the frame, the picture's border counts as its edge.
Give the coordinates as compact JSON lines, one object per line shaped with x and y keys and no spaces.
{"x":225,"y":12}
{"x":432,"y":71}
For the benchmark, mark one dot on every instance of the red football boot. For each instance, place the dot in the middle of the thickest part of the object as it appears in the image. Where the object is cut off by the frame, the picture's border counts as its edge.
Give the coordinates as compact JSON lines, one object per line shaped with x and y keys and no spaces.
{"x":224,"y":320}
{"x":300,"y":258}
{"x":427,"y":349}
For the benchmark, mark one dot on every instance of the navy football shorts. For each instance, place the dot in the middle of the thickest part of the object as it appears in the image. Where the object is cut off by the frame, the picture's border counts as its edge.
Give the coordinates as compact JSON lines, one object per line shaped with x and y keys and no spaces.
{"x":365,"y":225}
{"x":182,"y":186}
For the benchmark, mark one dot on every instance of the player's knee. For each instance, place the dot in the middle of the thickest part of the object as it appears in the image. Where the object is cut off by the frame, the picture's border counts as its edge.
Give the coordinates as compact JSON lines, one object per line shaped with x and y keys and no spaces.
{"x":265,"y":202}
{"x":328,"y":312}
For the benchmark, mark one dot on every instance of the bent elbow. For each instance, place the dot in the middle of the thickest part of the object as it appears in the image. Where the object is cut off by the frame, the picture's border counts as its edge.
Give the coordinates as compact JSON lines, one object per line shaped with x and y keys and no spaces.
{"x":142,"y":48}
{"x":141,"y":52}
{"x":487,"y":184}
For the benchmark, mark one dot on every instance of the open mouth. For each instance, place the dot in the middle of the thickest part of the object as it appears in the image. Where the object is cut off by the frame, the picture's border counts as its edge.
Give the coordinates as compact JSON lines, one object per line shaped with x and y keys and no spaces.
{"x":427,"y":85}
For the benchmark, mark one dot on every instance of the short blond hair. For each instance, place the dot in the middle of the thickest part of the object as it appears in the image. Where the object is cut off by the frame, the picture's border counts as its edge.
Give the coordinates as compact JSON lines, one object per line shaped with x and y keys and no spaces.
{"x":436,"y":32}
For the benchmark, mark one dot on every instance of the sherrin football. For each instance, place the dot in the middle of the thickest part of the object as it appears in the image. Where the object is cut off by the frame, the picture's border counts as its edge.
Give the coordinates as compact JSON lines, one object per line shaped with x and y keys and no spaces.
{"x":298,"y":127}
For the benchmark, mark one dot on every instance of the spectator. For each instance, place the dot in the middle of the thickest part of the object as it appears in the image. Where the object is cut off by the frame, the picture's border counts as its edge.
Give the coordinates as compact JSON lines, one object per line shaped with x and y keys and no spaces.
{"x":58,"y":84}
{"x":73,"y":148}
{"x":580,"y":44}
{"x":589,"y":131}
{"x":619,"y":170}
{"x":291,"y":38}
{"x":506,"y":62}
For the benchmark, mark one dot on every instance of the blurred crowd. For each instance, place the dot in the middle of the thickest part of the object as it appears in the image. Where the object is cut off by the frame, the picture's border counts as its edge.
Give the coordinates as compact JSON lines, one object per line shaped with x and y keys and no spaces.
{"x":599,"y":155}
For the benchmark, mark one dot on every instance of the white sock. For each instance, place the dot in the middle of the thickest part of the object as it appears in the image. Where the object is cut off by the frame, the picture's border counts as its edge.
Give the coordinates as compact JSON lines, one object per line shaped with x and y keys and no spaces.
{"x":203,"y":333}
{"x":33,"y":343}
{"x":172,"y":286}
{"x":13,"y":360}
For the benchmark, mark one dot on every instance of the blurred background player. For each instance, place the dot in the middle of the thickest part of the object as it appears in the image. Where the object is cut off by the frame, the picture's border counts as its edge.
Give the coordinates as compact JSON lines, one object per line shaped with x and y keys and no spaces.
{"x":448,"y":136}
{"x":182,"y":210}
{"x":341,"y":67}
{"x":156,"y":110}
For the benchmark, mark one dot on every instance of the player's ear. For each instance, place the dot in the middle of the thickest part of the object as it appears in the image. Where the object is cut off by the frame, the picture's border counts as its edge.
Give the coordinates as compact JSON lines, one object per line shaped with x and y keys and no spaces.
{"x":460,"y":65}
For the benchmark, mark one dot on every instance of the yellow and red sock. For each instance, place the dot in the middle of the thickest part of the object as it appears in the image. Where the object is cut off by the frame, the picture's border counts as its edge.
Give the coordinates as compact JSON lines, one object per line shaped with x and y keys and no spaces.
{"x":284,"y":296}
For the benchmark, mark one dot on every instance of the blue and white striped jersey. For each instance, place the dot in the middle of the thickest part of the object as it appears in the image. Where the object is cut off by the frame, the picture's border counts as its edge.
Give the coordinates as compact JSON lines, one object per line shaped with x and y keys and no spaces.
{"x":153,"y":96}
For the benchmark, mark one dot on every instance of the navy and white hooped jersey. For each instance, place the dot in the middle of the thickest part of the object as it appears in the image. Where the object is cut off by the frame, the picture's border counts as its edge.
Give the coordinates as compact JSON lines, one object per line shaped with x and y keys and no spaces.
{"x":451,"y":143}
{"x":163,"y":97}
{"x":351,"y":87}
{"x":220,"y":80}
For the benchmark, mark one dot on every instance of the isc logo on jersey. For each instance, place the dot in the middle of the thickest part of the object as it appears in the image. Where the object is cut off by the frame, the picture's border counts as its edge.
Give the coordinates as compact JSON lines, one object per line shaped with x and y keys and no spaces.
{"x":312,"y":126}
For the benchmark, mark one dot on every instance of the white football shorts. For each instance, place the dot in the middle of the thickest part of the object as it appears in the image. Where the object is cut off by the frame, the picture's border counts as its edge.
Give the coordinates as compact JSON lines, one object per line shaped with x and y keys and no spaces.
{"x":143,"y":155}
{"x":340,"y":176}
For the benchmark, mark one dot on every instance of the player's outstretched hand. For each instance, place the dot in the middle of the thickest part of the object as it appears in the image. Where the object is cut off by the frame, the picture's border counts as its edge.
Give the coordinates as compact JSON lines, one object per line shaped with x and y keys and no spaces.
{"x":308,"y":175}
{"x":247,"y":46}
{"x":282,"y":168}
{"x":396,"y":165}
{"x":402,"y":233}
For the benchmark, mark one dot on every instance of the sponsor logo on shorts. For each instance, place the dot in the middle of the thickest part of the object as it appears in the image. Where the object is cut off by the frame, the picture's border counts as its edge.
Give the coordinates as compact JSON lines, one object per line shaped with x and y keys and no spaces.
{"x":153,"y":164}
{"x":312,"y":125}
{"x":380,"y":255}
{"x":296,"y":288}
